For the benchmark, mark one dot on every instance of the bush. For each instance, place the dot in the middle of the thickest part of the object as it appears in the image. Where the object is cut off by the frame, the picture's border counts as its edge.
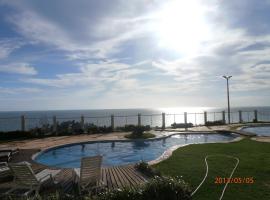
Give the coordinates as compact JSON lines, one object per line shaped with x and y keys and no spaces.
{"x":131,"y":128}
{"x":167,"y":188}
{"x":126,"y":128}
{"x":215,"y":123}
{"x":143,"y":136}
{"x":11,"y":135}
{"x":161,"y":188}
{"x":255,"y":120}
{"x":69,"y":127}
{"x":182,"y":125}
{"x":91,"y":128}
{"x":122,"y":194}
{"x":158,"y":188}
{"x":146,"y":169}
{"x":138,"y":131}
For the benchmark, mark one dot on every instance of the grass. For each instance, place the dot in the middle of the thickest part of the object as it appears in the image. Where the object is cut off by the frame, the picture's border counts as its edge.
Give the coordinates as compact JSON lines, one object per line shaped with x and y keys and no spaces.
{"x":143,"y":136}
{"x":188,"y":162}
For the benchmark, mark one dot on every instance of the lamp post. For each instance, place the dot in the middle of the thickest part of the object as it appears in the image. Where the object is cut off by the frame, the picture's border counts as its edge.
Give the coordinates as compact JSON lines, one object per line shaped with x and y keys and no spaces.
{"x":228,"y":97}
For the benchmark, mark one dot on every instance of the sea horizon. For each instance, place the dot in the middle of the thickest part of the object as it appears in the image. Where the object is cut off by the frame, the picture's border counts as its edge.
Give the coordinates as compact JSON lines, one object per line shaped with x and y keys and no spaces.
{"x":140,"y":108}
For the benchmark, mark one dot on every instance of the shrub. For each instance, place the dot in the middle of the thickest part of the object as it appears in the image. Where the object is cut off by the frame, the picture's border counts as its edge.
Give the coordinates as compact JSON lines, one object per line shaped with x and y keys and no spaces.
{"x":126,"y":128}
{"x":255,"y":120}
{"x":11,"y":135}
{"x":143,"y":136}
{"x":91,"y":128}
{"x":161,"y":188}
{"x":69,"y":127}
{"x":214,"y":123}
{"x":138,"y":131}
{"x":122,"y":194}
{"x":182,"y":125}
{"x":131,"y":127}
{"x":146,"y":169}
{"x":167,"y":188}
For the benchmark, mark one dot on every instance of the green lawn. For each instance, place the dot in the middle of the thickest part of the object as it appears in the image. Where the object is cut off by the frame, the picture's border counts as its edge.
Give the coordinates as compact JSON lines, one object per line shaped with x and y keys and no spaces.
{"x":188,"y":162}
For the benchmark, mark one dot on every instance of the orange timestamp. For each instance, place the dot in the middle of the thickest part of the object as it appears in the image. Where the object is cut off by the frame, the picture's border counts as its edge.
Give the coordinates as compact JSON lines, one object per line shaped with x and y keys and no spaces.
{"x":237,"y":180}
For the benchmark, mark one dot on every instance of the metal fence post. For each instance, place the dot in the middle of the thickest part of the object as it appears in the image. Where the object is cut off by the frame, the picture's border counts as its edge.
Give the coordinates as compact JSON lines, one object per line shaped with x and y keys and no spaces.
{"x":240,"y":116}
{"x":22,"y":123}
{"x":82,"y":122}
{"x":185,"y":118}
{"x":223,"y":117}
{"x":54,"y":125}
{"x":205,"y":117}
{"x":163,"y":121}
{"x":256,"y":115}
{"x":112,"y":122}
{"x":139,"y":119}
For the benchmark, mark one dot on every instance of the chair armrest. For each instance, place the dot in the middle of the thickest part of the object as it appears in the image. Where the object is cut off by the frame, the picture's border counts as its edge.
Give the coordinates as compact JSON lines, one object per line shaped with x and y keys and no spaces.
{"x":3,"y":164}
{"x":42,"y":178}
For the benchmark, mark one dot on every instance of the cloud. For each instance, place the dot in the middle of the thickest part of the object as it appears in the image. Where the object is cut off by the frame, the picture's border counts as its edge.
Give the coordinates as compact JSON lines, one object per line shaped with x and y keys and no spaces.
{"x":94,"y":37}
{"x":111,"y":50}
{"x":251,"y":16}
{"x":8,"y":45}
{"x":97,"y":76}
{"x":18,"y":68}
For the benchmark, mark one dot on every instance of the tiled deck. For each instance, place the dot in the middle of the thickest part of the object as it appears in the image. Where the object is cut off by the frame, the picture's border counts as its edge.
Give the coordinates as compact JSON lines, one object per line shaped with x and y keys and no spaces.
{"x":113,"y":177}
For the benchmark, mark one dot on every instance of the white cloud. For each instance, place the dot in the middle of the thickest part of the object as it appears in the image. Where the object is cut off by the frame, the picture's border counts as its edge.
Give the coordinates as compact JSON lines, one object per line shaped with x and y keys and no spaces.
{"x":37,"y":28}
{"x":18,"y":68}
{"x":103,"y":73}
{"x":129,"y":32}
{"x":7,"y":46}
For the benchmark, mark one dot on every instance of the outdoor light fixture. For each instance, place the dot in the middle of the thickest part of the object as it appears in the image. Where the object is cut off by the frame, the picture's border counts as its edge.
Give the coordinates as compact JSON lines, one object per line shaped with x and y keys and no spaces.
{"x":228,"y":97}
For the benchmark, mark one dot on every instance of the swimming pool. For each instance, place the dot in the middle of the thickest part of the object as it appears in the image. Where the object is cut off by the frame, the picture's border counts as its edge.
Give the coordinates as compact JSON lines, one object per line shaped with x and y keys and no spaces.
{"x":259,"y":130}
{"x":123,"y":152}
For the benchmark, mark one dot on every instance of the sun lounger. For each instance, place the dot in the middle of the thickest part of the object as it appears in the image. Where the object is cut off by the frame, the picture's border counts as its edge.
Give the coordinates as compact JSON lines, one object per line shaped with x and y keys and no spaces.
{"x":25,"y":179}
{"x":4,"y":170}
{"x":89,"y":174}
{"x":6,"y":154}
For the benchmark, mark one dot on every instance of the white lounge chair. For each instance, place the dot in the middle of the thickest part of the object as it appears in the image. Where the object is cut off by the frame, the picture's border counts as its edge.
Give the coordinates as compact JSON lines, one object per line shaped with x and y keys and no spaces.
{"x":89,"y":174}
{"x":6,"y":154}
{"x":25,"y":179}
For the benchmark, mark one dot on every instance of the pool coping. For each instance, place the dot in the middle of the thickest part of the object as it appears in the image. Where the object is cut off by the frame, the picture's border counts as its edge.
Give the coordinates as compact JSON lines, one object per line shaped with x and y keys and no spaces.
{"x":254,"y":126}
{"x":164,"y":156}
{"x":258,"y":138}
{"x":168,"y":153}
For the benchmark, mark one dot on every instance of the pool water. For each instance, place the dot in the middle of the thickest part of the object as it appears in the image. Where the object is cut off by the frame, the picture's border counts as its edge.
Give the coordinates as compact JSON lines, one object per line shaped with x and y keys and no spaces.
{"x":122,"y":152}
{"x":259,"y":130}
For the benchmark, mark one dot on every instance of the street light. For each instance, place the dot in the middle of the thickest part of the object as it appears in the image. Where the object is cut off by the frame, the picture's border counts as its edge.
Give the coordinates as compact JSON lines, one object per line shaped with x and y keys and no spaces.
{"x":228,"y":96}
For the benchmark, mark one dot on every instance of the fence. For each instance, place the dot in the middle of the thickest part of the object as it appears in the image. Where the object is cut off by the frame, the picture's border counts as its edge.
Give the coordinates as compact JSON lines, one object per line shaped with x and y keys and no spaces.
{"x":161,"y":120}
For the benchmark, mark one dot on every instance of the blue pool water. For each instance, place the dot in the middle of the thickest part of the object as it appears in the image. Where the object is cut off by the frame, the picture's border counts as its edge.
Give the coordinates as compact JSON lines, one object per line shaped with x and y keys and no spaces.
{"x":259,"y":130}
{"x":123,"y":152}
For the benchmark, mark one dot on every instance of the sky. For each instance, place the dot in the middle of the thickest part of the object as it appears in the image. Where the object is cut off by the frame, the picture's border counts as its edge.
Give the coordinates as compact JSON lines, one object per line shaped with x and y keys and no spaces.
{"x":98,"y":54}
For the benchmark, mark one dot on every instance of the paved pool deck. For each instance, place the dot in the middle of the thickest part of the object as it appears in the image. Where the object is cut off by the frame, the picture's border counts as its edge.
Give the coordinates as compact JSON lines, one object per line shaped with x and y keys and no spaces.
{"x":44,"y":143}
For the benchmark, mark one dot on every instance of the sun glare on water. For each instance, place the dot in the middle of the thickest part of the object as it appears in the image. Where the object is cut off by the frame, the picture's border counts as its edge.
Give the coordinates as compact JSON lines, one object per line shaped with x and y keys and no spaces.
{"x":181,"y":26}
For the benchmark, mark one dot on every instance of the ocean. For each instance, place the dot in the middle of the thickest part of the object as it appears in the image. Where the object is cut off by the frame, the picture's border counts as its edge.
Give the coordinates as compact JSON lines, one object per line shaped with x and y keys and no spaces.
{"x":10,"y":121}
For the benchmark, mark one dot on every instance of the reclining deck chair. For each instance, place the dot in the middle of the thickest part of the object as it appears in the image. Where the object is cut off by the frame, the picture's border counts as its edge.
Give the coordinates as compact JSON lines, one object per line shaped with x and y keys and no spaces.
{"x":6,"y":154}
{"x":89,"y":174}
{"x":26,"y":179}
{"x":4,"y":170}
